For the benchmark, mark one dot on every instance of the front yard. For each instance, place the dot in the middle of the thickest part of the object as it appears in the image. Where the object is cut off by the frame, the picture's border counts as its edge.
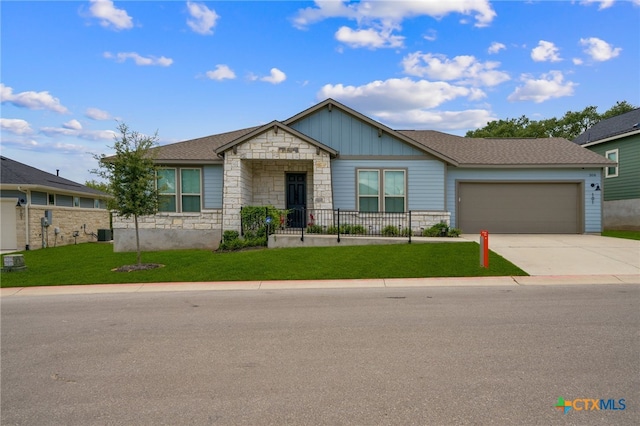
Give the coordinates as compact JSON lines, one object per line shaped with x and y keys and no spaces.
{"x":92,"y":263}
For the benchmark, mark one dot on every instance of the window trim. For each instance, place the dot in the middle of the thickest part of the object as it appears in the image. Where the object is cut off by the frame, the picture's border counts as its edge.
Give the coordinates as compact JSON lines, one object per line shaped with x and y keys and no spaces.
{"x":381,"y":188}
{"x":617,"y":160}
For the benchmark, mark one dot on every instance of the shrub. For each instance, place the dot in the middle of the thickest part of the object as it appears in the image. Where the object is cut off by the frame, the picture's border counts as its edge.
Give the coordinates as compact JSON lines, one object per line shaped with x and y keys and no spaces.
{"x":332,"y":230}
{"x":455,"y":232}
{"x":441,"y":229}
{"x":230,"y":235}
{"x":314,"y":229}
{"x":390,"y":231}
{"x":406,"y":232}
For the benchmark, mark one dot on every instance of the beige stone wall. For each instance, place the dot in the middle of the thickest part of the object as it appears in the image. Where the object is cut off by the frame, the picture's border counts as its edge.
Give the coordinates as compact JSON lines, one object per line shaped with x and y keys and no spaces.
{"x":207,"y":220}
{"x":66,"y":219}
{"x":254,"y":174}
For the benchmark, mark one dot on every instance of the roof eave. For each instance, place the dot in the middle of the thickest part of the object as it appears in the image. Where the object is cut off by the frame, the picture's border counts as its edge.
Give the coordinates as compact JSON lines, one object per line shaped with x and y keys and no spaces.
{"x":611,"y":138}
{"x":45,"y":188}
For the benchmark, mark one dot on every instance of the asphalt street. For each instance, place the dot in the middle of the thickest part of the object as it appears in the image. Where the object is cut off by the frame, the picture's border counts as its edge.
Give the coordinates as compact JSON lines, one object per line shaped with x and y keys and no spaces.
{"x":372,"y":356}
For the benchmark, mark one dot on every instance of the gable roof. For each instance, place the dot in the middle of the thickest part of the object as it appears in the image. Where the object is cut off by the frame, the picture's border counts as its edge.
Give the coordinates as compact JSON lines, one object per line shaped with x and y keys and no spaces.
{"x":508,"y":152}
{"x":455,"y":150}
{"x":616,"y":127}
{"x":331,"y":103}
{"x":14,"y":174}
{"x":197,"y":150}
{"x":275,"y":125}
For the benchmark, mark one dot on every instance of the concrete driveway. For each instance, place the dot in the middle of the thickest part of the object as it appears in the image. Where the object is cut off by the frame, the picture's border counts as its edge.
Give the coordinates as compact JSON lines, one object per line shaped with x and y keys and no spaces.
{"x":567,"y":254}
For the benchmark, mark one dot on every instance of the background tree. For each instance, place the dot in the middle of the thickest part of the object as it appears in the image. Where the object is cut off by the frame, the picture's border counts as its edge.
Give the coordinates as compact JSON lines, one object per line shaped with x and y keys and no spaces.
{"x":131,"y":176}
{"x":569,"y":126}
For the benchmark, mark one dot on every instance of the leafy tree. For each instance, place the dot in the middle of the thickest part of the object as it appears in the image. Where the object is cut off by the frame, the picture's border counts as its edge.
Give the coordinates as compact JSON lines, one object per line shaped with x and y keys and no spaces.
{"x":569,"y":126}
{"x":131,"y":176}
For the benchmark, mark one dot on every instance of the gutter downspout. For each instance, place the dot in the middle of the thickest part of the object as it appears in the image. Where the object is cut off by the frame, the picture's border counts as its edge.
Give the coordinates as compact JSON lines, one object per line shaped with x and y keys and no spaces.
{"x":26,"y":217}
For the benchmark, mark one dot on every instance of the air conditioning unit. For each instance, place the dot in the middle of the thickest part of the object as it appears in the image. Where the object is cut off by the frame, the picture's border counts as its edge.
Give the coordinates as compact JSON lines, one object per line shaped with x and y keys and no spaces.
{"x":104,"y":235}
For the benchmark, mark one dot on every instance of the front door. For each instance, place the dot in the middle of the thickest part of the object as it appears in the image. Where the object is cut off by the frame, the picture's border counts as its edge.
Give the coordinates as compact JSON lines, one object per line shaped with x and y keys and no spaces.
{"x":296,"y":193}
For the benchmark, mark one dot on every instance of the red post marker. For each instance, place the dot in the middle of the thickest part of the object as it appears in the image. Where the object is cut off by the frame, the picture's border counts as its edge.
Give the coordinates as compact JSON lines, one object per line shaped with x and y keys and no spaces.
{"x":484,"y":249}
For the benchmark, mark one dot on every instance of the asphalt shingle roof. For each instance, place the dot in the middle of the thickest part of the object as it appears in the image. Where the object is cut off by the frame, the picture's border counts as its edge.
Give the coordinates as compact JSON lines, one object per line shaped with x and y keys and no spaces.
{"x":15,"y":173}
{"x":614,"y":126}
{"x":533,"y":152}
{"x":199,"y":149}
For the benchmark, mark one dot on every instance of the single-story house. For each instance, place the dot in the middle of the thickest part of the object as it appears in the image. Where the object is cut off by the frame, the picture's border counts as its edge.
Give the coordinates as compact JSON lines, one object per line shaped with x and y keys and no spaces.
{"x":331,"y":157}
{"x":618,"y":139}
{"x":40,"y":209}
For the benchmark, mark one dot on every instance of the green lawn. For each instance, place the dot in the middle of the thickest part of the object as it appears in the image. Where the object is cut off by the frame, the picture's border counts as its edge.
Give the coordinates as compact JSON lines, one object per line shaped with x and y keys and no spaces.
{"x":91,"y":263}
{"x":631,"y":235}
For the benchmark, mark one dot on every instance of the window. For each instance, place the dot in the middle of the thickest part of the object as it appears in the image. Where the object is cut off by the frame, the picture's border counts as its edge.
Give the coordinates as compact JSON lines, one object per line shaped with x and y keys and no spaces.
{"x":52,"y":199}
{"x":613,"y":170}
{"x":189,"y":196}
{"x":190,"y":188}
{"x":167,"y":189}
{"x":76,"y":201}
{"x":392,"y":187}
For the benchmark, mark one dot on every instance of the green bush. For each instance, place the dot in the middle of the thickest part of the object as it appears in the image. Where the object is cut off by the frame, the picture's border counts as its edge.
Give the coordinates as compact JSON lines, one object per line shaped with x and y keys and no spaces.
{"x":406,"y":232}
{"x":390,"y":231}
{"x":230,"y":235}
{"x":439,"y":229}
{"x":332,"y":230}
{"x":314,"y":229}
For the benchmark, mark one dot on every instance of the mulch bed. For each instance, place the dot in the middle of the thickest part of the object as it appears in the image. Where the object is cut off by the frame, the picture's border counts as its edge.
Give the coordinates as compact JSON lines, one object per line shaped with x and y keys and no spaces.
{"x":141,"y":267}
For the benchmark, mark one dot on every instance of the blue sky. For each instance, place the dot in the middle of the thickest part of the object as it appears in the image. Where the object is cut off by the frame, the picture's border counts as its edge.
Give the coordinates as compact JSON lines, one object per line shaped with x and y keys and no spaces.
{"x":71,"y":70}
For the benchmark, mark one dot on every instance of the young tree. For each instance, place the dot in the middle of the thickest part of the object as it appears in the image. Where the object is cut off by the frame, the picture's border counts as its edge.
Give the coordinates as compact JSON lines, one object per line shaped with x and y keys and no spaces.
{"x":131,"y":176}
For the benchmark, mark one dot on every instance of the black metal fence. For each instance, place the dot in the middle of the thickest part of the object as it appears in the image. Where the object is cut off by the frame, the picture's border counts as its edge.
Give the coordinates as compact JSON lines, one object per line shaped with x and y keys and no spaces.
{"x":343,"y":222}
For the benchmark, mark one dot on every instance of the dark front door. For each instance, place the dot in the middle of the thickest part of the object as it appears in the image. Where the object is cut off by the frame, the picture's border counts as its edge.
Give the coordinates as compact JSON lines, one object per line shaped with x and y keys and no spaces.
{"x":296,"y":193}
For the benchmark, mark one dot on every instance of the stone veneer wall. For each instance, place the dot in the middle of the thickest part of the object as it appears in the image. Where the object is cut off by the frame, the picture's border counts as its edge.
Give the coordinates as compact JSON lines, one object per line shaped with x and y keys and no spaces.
{"x":67,"y":219}
{"x":266,"y":156}
{"x":168,"y":231}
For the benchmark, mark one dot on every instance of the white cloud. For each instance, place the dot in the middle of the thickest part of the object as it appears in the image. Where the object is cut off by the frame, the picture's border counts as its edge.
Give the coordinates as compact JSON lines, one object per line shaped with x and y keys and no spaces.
{"x":496,"y":47}
{"x":16,"y":126}
{"x":545,"y":52}
{"x":370,"y":38}
{"x":431,"y":35}
{"x":109,"y":16}
{"x":464,"y":69}
{"x":441,"y":120}
{"x":73,"y":125}
{"x":396,"y":94}
{"x":276,"y":76}
{"x":599,"y":50}
{"x":549,"y":86}
{"x":221,"y":72}
{"x":604,"y":4}
{"x":139,"y":59}
{"x":97,"y":114}
{"x":577,"y":61}
{"x":73,"y":128}
{"x":31,"y":100}
{"x":202,"y":19}
{"x":392,"y":13}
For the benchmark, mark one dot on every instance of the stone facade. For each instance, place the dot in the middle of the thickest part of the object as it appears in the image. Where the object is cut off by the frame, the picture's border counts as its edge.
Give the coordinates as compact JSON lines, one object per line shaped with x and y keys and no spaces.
{"x":168,"y":231}
{"x":67,"y":220}
{"x":254,"y":174}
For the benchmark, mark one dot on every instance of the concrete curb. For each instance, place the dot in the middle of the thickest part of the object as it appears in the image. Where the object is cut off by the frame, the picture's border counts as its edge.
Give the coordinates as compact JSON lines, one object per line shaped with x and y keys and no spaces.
{"x":322,"y":284}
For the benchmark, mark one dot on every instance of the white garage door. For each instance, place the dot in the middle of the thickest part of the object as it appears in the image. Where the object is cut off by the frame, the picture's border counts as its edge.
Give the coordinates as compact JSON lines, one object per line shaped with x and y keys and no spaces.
{"x":8,"y":239}
{"x":520,"y":208}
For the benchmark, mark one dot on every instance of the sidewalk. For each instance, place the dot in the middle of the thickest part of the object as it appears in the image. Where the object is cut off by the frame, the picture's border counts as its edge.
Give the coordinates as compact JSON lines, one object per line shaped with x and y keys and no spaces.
{"x":322,"y":284}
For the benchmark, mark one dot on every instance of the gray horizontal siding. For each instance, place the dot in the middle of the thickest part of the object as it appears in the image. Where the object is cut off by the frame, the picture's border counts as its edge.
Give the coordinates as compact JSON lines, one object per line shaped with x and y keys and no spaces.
{"x":592,"y":208}
{"x":425,"y":185}
{"x":351,"y":136}
{"x":212,"y":189}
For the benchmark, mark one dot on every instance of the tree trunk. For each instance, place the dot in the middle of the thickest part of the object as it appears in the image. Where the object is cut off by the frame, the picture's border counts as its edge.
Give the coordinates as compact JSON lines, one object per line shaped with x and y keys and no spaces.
{"x":135,"y":218}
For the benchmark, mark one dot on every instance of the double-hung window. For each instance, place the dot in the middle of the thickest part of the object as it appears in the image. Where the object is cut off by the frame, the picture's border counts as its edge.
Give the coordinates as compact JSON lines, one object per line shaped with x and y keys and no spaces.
{"x":612,"y":171}
{"x":180,"y":190}
{"x":167,"y":190}
{"x":382,"y":190}
{"x":190,"y":189}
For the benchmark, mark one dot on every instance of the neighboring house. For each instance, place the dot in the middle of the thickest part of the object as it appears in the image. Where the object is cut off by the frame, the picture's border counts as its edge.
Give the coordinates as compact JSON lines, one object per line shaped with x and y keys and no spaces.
{"x":618,"y":139}
{"x":28,"y":195}
{"x":333,"y":157}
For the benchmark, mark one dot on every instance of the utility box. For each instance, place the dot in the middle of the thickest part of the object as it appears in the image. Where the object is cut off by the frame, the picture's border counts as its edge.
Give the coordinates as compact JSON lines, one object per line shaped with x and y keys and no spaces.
{"x":13,"y":262}
{"x":104,"y":235}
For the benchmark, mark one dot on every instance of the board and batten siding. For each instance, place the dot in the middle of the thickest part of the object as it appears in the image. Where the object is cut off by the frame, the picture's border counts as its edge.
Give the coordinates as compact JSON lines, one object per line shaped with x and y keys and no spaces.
{"x":592,"y":198}
{"x":350,"y":135}
{"x":425,"y":182}
{"x":626,"y":185}
{"x":212,"y":186}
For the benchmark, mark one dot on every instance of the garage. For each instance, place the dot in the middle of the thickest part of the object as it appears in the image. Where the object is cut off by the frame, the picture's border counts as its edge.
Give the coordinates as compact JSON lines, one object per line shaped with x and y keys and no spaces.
{"x":520,"y":207}
{"x":8,"y":237}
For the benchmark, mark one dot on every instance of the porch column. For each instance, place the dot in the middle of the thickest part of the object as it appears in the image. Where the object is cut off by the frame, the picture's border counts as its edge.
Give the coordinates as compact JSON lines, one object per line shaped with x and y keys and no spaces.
{"x":322,"y":192}
{"x":236,"y":181}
